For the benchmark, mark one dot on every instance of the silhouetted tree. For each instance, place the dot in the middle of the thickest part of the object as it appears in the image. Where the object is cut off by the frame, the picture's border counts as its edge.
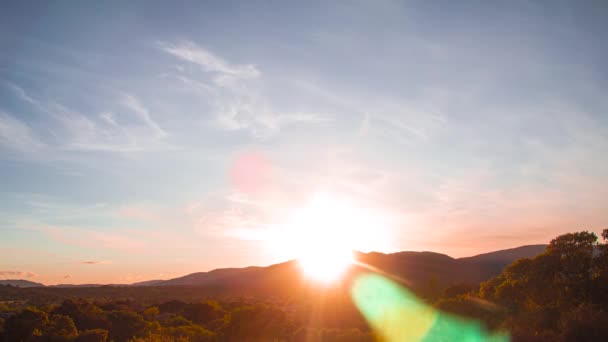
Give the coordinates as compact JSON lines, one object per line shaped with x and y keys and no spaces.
{"x":202,"y":313}
{"x":85,"y":314}
{"x":126,"y":324}
{"x":151,"y":313}
{"x":25,"y":326}
{"x":565,"y":284}
{"x":458,"y":290}
{"x":258,"y":323}
{"x":584,"y":323}
{"x":60,"y":329}
{"x":92,"y":335}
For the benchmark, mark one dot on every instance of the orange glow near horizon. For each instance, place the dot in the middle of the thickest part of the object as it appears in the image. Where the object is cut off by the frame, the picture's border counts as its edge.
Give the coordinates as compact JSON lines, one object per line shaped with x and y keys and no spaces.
{"x":323,"y":234}
{"x":326,"y":266}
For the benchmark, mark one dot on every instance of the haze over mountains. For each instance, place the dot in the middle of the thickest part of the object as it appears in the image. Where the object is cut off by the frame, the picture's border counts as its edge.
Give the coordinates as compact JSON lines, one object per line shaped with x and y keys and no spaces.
{"x":20,"y":283}
{"x":417,"y":269}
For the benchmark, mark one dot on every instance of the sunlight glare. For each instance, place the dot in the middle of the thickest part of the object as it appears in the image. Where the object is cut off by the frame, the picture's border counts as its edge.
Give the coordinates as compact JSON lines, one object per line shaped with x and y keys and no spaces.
{"x":323,"y":234}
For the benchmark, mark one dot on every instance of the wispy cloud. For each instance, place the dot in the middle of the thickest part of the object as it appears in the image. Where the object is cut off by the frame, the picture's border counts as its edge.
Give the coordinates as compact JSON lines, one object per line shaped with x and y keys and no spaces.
{"x":21,"y":93}
{"x":19,"y":274}
{"x":102,"y":132}
{"x":92,"y":262}
{"x":260,"y":120}
{"x":74,"y":130}
{"x":394,"y":119}
{"x":16,"y":135}
{"x":144,"y":114}
{"x":235,"y":91}
{"x":209,"y":62}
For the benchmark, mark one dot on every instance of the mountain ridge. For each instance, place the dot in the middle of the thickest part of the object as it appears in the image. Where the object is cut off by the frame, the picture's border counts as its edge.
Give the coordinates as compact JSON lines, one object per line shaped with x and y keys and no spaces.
{"x":419,"y":267}
{"x":20,"y":283}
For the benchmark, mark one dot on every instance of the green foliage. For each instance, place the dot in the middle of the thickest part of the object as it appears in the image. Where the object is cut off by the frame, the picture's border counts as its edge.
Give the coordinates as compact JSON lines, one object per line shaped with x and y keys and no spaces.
{"x":60,"y":329}
{"x":333,"y":335}
{"x":202,"y":313}
{"x":192,"y":332}
{"x":174,"y":320}
{"x":584,"y":323}
{"x":458,"y":290}
{"x":559,"y":295}
{"x":25,"y":326}
{"x":92,"y":335}
{"x":126,"y":325}
{"x":207,"y":321}
{"x":258,"y":323}
{"x":85,"y":314}
{"x":151,"y":313}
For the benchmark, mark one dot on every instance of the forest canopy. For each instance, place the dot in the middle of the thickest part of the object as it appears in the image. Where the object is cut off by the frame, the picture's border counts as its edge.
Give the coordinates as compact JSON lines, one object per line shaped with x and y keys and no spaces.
{"x":559,"y":295}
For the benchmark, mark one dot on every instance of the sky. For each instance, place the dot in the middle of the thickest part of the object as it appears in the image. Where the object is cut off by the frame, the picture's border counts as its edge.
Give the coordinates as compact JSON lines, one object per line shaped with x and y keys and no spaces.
{"x":147,"y":140}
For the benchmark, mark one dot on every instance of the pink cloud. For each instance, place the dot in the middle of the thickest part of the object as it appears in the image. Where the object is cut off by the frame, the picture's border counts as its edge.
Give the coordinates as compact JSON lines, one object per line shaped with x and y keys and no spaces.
{"x":91,"y":262}
{"x":19,"y":274}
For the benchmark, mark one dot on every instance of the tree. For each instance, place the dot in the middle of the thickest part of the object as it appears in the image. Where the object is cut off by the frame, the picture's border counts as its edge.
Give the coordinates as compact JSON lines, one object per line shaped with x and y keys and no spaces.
{"x":573,"y":243}
{"x":457,"y":290}
{"x":574,"y":273}
{"x":600,"y":273}
{"x":151,"y":313}
{"x":25,"y":326}
{"x":93,"y":335}
{"x":202,"y":313}
{"x":193,"y":333}
{"x":126,"y":325}
{"x":558,"y":295}
{"x":584,"y":323}
{"x":258,"y":323}
{"x":85,"y":314}
{"x":60,"y":328}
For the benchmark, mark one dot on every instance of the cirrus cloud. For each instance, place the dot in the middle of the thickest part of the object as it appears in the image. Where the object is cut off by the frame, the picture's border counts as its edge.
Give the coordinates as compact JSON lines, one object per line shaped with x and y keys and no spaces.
{"x":92,"y":262}
{"x":19,"y":274}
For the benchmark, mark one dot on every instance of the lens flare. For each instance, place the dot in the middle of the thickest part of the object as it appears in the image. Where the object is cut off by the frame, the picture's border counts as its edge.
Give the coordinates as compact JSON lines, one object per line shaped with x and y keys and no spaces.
{"x":398,"y":315}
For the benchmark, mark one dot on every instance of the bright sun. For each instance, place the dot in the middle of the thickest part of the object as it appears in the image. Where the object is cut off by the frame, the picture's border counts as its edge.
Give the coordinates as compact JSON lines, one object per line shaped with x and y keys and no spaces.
{"x":323,"y":234}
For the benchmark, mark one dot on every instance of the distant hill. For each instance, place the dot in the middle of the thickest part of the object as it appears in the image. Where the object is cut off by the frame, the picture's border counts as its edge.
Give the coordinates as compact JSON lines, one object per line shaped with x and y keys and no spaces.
{"x":20,"y":283}
{"x":424,"y":269}
{"x":508,"y":255}
{"x":487,"y":265}
{"x":85,"y":285}
{"x":147,"y":283}
{"x":418,"y":270}
{"x":277,"y":279}
{"x":421,"y":271}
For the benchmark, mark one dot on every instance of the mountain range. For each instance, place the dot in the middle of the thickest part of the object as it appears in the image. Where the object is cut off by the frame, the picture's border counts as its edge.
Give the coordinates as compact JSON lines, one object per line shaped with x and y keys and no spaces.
{"x":422,"y":271}
{"x":20,"y":283}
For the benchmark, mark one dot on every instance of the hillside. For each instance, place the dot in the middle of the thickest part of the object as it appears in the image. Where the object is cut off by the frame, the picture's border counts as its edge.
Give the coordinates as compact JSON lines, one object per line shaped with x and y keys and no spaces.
{"x":232,"y":304}
{"x":418,"y":270}
{"x":20,"y":283}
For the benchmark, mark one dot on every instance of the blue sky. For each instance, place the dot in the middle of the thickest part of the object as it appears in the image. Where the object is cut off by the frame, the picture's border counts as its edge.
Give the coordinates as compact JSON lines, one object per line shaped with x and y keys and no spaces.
{"x":150,"y":139}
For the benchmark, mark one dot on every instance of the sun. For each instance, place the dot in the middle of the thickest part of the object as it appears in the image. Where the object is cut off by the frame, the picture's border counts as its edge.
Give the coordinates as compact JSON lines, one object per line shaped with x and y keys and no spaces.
{"x":323,"y":234}
{"x":326,"y":265}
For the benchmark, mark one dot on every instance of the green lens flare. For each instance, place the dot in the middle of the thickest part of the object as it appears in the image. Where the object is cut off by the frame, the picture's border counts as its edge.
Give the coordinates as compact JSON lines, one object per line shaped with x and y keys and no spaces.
{"x":398,"y":315}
